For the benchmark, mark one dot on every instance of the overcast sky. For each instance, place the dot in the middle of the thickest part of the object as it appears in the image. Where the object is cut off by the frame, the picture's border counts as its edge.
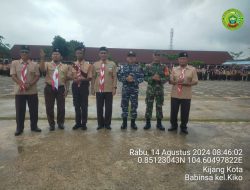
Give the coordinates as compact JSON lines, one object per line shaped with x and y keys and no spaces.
{"x":126,"y":24}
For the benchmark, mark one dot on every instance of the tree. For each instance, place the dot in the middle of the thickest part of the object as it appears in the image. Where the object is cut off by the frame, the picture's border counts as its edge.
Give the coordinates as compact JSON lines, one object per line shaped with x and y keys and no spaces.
{"x":47,"y":51}
{"x":4,"y":48}
{"x":171,"y":57}
{"x":110,"y":57}
{"x":61,"y":44}
{"x":196,"y":63}
{"x":72,"y":44}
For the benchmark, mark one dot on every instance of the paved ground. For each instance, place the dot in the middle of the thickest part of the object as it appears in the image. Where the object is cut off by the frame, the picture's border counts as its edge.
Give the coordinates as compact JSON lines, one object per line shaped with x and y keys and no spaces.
{"x":101,"y":159}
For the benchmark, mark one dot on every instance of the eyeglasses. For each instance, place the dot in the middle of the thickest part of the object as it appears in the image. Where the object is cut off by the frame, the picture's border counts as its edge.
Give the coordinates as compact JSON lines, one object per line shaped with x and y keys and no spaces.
{"x":157,"y":54}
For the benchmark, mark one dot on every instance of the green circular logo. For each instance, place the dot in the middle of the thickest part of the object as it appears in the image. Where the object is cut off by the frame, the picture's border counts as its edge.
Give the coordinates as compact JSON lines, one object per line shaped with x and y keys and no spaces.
{"x":232,"y":19}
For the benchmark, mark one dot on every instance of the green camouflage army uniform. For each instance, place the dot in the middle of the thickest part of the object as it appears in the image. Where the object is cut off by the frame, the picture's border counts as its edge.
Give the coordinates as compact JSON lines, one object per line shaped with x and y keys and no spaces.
{"x":155,"y":89}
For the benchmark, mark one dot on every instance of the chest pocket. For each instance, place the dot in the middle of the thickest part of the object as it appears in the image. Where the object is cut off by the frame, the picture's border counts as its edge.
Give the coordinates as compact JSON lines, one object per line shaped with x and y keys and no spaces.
{"x":109,"y":69}
{"x":188,"y":75}
{"x":31,"y":69}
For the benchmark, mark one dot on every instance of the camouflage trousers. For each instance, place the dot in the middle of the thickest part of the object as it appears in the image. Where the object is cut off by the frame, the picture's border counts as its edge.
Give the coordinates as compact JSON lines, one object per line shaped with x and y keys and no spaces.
{"x":129,"y":94}
{"x":157,"y":94}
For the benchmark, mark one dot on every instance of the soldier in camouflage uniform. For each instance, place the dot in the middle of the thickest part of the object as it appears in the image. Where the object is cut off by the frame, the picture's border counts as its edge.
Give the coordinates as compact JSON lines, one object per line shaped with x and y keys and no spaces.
{"x":130,"y":75}
{"x":156,"y":74}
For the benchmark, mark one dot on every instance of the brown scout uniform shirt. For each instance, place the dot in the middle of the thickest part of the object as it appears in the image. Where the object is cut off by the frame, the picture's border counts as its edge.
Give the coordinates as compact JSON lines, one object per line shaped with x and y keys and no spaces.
{"x":110,"y":76}
{"x":190,"y":74}
{"x":85,"y":67}
{"x":32,"y":72}
{"x":63,"y":71}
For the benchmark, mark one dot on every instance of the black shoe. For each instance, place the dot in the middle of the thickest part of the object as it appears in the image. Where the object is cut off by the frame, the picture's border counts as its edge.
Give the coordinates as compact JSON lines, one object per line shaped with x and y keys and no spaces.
{"x":99,"y":127}
{"x":185,"y":131}
{"x":159,"y":125}
{"x":124,"y":123}
{"x":52,"y":128}
{"x":17,"y":133}
{"x":76,"y":127}
{"x":148,"y":125}
{"x":36,"y":130}
{"x":108,"y":127}
{"x":172,"y":129}
{"x":61,"y":126}
{"x":84,"y":127}
{"x":133,"y":125}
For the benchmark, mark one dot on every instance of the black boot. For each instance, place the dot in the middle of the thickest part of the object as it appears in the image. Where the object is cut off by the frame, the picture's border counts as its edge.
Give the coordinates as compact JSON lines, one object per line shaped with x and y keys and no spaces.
{"x":84,"y":127}
{"x":51,"y":127}
{"x":36,"y":130}
{"x":17,"y":133}
{"x":76,"y":127}
{"x":100,"y":127}
{"x":61,"y":126}
{"x":148,"y":124}
{"x":172,"y":128}
{"x":108,"y":127}
{"x":124,"y":123}
{"x":184,"y":130}
{"x":159,"y":125}
{"x":133,"y":125}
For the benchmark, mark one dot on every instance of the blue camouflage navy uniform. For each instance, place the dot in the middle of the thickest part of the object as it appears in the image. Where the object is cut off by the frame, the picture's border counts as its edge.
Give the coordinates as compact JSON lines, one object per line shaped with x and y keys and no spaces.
{"x":130,"y":89}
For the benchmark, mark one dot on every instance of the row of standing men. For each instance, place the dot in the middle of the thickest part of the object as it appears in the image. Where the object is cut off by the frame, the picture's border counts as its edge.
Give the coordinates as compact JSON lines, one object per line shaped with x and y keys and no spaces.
{"x":223,"y":74}
{"x":103,"y":77}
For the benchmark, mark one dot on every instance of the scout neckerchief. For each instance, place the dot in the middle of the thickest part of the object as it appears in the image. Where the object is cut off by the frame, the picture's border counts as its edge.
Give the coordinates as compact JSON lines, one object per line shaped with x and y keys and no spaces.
{"x":181,"y":78}
{"x":166,"y":71}
{"x":23,"y":75}
{"x":55,"y":77}
{"x":101,"y":80}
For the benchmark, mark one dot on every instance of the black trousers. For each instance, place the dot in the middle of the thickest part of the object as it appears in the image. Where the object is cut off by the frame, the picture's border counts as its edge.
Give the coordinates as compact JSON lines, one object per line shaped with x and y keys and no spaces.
{"x":104,"y":99}
{"x":80,"y":102}
{"x":20,"y":102}
{"x":185,"y":108}
{"x":50,"y":97}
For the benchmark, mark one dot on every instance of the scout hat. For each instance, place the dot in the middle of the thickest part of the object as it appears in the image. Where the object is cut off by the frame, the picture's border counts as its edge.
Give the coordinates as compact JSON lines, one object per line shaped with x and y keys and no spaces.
{"x":183,"y":54}
{"x":131,"y":54}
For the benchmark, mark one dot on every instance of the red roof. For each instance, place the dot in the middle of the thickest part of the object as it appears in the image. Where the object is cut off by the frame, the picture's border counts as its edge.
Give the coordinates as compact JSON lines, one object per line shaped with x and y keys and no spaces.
{"x":143,"y":55}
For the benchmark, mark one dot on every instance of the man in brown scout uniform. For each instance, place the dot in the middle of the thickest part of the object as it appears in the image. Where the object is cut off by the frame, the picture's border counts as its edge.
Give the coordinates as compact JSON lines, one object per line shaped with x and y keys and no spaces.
{"x":56,"y":87}
{"x":182,"y":78}
{"x":104,"y":87}
{"x":25,"y":74}
{"x":81,"y":74}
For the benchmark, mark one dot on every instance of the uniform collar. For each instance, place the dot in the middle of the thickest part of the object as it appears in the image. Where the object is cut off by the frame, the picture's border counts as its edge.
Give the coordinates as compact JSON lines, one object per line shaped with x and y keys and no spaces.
{"x":187,"y":67}
{"x":55,"y":63}
{"x":22,"y":62}
{"x":81,"y":62}
{"x":105,"y":62}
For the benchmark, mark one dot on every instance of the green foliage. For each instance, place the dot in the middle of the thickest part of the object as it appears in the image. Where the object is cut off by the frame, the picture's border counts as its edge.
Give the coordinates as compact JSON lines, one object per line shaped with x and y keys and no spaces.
{"x":60,"y":43}
{"x":72,"y":44}
{"x":171,"y":57}
{"x":4,"y":49}
{"x":48,"y":52}
{"x":111,"y":59}
{"x":196,"y":63}
{"x":67,"y":48}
